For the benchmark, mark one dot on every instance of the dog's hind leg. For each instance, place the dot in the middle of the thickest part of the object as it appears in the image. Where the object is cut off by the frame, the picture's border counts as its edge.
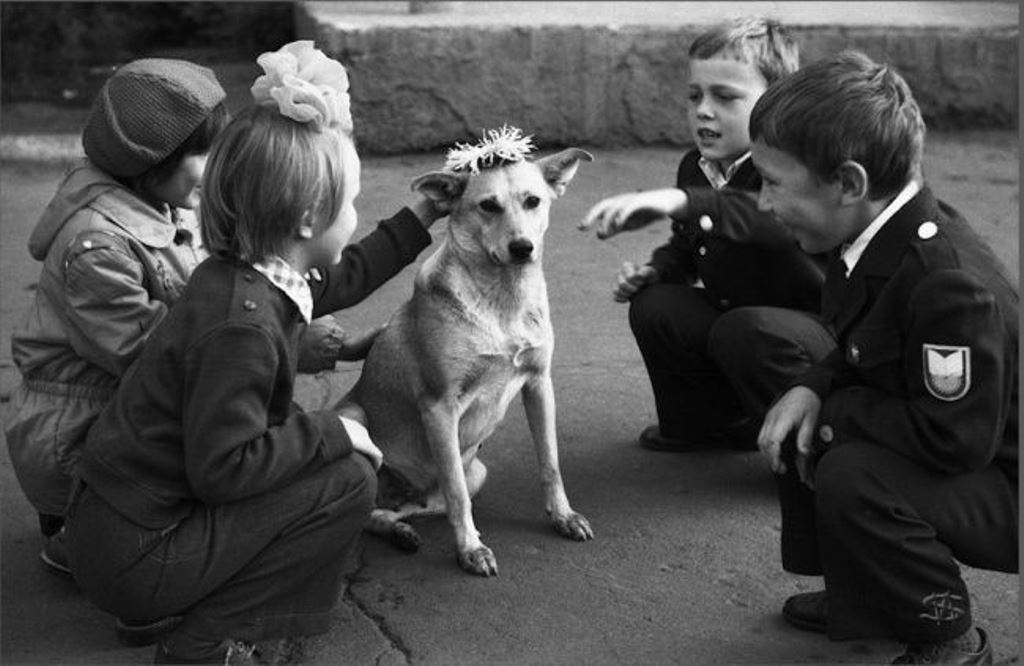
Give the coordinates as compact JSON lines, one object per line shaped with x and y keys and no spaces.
{"x":388,"y":525}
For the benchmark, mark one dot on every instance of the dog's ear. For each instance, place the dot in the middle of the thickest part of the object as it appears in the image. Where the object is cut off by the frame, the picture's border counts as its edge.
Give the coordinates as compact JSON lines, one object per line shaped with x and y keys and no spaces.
{"x":558,"y":169}
{"x":441,"y":187}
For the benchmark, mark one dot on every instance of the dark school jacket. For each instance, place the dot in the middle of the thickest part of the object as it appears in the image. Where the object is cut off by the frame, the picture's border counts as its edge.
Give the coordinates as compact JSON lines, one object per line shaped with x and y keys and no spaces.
{"x":746,"y":257}
{"x":206,"y":416}
{"x":926,"y":363}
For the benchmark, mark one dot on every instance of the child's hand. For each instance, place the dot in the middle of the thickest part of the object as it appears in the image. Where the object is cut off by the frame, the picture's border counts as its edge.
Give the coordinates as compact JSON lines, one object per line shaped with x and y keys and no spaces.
{"x":795,"y":412}
{"x":354,"y":419}
{"x":356,"y":347}
{"x":366,"y":447}
{"x":632,"y":279}
{"x":319,"y":345}
{"x":428,"y":211}
{"x":325,"y":342}
{"x":634,"y":210}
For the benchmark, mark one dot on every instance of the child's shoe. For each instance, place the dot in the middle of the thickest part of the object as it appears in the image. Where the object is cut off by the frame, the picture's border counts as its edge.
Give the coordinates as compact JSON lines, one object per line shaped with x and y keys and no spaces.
{"x":55,"y":554}
{"x":231,"y":653}
{"x":807,"y":611}
{"x":740,"y":436}
{"x":132,"y":634}
{"x":971,"y":648}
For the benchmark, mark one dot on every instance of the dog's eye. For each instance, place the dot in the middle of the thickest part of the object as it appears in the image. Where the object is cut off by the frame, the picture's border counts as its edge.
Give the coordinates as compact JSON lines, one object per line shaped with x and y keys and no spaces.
{"x":490,"y":206}
{"x":531,"y":202}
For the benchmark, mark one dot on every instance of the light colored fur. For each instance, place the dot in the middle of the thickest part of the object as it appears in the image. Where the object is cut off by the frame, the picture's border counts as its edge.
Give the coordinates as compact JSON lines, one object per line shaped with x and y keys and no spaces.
{"x":475,"y":333}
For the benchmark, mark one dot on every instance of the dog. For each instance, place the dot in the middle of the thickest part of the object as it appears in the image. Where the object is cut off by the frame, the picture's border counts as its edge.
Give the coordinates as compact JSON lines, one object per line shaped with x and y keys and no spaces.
{"x":440,"y":375}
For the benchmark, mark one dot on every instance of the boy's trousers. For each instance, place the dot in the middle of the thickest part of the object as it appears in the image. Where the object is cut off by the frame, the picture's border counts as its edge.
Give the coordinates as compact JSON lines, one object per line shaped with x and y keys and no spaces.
{"x":885,"y":532}
{"x":762,"y":350}
{"x":708,"y":367}
{"x":888,"y":533}
{"x":671,"y":324}
{"x":269,"y":566}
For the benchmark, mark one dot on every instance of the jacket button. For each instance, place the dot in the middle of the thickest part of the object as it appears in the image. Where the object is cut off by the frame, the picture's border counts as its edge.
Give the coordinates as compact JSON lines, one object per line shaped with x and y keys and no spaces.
{"x":724,"y":303}
{"x":249,"y":305}
{"x":248,"y":277}
{"x":854,"y":354}
{"x":705,"y":223}
{"x":826,"y":434}
{"x":702,"y":250}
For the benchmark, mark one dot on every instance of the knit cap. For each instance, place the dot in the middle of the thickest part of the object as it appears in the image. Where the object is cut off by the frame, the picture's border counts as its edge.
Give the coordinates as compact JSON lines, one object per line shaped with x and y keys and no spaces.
{"x":145,"y":111}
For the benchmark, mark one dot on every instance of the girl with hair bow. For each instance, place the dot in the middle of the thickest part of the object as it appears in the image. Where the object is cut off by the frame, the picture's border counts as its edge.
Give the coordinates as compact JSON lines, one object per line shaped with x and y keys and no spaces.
{"x":208,"y":501}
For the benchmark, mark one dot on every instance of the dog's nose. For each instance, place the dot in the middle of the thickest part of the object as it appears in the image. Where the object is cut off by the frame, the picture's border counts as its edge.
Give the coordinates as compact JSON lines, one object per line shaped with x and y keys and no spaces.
{"x":520,"y":249}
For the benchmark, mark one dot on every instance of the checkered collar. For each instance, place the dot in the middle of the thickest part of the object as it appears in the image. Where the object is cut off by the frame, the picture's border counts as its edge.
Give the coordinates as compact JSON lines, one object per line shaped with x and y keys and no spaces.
{"x":287,"y":279}
{"x":717,"y":179}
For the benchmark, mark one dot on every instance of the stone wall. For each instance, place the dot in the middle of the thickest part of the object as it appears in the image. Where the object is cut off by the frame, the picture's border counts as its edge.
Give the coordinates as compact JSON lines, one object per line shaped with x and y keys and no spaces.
{"x":420,"y":87}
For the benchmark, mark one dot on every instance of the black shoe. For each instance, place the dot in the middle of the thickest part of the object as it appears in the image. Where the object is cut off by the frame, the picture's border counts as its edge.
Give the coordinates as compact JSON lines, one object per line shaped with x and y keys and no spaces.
{"x":808,"y":611}
{"x":948,"y":653}
{"x":234,"y":653}
{"x":732,"y":437}
{"x":652,"y":439}
{"x":55,"y":554}
{"x":131,"y":634}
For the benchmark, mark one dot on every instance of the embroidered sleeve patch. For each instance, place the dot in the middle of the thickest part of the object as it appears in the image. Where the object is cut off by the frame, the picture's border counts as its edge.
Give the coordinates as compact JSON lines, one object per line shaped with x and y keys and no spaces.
{"x":947,"y":371}
{"x":942,"y":607}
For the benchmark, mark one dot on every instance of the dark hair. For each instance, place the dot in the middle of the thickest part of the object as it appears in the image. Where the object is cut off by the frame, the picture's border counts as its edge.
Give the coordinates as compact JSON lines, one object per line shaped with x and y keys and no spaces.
{"x":763,"y":43}
{"x":266,"y":174}
{"x":845,"y":108}
{"x":197,"y":143}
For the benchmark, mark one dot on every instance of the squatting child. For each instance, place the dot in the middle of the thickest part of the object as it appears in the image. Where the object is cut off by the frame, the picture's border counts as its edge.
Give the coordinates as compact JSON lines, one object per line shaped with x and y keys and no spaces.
{"x":723,"y":253}
{"x":118,"y":240}
{"x":207,"y":500}
{"x":906,"y":437}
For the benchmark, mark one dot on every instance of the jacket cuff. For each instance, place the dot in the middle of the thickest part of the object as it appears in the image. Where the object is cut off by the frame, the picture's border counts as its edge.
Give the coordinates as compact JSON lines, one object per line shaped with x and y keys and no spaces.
{"x":335,"y":443}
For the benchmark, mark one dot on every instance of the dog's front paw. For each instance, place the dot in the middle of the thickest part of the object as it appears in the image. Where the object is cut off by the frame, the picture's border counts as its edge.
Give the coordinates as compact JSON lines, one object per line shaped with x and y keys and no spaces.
{"x":479,"y":561}
{"x":573,"y":526}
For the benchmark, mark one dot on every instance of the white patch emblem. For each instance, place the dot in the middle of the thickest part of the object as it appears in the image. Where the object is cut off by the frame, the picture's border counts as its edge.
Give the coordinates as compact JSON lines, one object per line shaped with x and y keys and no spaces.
{"x":947,"y":371}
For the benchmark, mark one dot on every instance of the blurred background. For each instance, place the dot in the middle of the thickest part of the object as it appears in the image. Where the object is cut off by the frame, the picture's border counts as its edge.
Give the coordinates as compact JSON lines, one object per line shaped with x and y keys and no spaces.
{"x":427,"y":73}
{"x":61,"y":52}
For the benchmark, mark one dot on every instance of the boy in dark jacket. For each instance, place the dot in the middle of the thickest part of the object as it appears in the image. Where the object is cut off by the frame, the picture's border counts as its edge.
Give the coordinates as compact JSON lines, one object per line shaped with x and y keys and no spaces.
{"x":898,"y":453}
{"x":723,"y":253}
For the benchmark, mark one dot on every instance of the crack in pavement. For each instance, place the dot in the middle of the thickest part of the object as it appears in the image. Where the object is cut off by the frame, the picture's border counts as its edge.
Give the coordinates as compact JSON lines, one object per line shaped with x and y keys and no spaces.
{"x":394,"y":641}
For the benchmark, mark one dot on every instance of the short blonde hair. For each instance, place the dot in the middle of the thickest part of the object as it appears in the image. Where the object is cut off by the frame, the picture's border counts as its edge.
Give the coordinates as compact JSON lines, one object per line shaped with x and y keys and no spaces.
{"x":265,"y":175}
{"x":763,"y":43}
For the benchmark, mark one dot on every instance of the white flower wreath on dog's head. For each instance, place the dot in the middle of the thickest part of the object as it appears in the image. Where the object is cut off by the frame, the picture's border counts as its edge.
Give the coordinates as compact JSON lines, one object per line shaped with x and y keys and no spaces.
{"x":305,"y":85}
{"x":496,"y":147}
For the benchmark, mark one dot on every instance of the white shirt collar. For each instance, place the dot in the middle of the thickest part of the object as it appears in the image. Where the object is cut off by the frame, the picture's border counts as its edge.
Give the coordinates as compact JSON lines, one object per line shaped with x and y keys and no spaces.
{"x":290,"y":281}
{"x":852,"y":253}
{"x":715,"y":176}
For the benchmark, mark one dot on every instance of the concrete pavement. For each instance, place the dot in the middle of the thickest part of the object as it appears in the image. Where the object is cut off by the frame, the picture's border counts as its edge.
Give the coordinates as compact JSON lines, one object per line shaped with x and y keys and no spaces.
{"x":684,"y":568}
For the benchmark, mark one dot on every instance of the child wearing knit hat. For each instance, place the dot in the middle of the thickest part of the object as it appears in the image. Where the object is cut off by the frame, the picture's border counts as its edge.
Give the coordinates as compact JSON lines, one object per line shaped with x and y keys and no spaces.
{"x":118,"y":241}
{"x":246,"y":507}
